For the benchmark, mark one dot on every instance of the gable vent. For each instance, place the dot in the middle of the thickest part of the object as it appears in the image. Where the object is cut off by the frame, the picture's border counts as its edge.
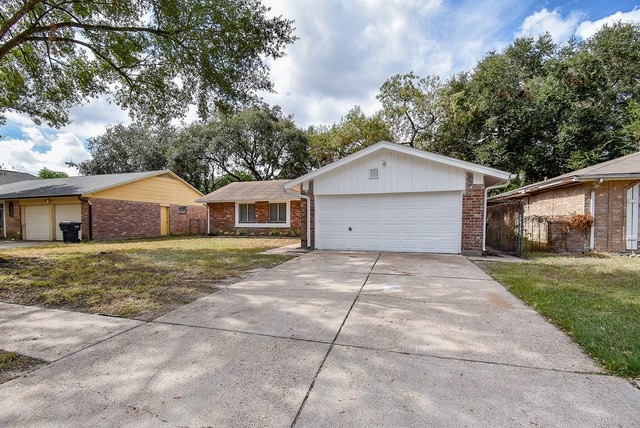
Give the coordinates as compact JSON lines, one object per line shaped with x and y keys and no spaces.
{"x":373,"y":174}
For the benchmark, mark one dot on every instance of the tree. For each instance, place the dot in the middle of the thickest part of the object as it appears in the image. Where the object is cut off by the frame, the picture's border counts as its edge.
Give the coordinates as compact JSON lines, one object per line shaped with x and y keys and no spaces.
{"x":47,"y":173}
{"x":259,"y":141}
{"x":133,"y":148}
{"x":354,"y":132}
{"x":155,"y":57}
{"x":411,"y":108}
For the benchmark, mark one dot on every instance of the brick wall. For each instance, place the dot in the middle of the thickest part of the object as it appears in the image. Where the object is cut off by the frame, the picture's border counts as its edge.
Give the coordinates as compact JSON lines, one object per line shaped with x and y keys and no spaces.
{"x":563,"y":241}
{"x":113,"y":219}
{"x":222,"y":216}
{"x":558,"y":202}
{"x":13,"y":224}
{"x":303,"y":218}
{"x":193,"y":222}
{"x":472,"y":217}
{"x":611,"y":216}
{"x":85,"y":209}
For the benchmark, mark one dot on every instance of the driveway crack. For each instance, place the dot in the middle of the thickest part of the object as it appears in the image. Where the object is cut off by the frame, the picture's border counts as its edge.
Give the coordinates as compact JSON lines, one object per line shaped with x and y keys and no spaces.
{"x":333,"y":342}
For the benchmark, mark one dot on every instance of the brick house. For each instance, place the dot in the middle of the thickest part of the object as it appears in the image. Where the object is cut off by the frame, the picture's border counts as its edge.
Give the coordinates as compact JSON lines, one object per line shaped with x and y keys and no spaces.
{"x":110,"y":206}
{"x":253,"y":208}
{"x":389,"y":197}
{"x":604,"y":195}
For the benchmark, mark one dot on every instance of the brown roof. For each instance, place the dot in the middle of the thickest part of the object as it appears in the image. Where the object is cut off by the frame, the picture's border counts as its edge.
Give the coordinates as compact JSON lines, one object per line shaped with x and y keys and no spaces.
{"x":626,"y":167}
{"x":251,"y":191}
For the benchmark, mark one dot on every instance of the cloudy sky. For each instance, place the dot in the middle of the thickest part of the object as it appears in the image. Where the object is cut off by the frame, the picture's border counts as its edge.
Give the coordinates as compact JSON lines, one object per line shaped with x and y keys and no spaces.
{"x":347,"y":49}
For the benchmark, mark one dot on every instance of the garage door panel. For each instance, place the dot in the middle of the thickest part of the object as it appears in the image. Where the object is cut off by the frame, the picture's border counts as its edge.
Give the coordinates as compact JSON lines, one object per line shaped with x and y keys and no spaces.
{"x":37,"y":222}
{"x":66,"y":212}
{"x":425,"y":222}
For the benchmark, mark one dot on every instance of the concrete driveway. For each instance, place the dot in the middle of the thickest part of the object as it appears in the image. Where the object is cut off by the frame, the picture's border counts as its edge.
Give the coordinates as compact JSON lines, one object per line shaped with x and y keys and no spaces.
{"x":328,"y":339}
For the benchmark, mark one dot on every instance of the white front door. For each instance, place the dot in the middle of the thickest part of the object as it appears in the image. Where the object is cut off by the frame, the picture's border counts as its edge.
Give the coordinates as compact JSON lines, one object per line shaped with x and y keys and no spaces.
{"x":633,"y":219}
{"x":37,"y":222}
{"x":411,"y":222}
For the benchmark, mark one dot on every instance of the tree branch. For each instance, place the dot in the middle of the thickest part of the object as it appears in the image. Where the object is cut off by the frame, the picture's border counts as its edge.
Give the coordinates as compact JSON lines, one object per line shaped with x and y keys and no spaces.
{"x":25,"y":9}
{"x":99,"y":54}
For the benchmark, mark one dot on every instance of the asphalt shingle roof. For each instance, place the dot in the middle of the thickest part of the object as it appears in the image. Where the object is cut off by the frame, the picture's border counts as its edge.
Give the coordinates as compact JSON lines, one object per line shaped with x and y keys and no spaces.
{"x":71,"y":186}
{"x":620,"y":168}
{"x":251,"y":191}
{"x":7,"y":177}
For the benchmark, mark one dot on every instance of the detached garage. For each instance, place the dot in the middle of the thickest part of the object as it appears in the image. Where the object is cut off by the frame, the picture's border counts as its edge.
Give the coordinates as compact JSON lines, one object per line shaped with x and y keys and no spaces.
{"x":389,"y":197}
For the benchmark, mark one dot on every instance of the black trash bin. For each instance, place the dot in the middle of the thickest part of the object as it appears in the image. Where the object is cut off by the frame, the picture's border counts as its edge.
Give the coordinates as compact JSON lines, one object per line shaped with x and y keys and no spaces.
{"x":70,"y":231}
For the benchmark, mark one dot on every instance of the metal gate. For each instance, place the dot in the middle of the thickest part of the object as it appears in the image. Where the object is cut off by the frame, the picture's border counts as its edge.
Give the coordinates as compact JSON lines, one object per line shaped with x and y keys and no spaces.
{"x":505,"y":227}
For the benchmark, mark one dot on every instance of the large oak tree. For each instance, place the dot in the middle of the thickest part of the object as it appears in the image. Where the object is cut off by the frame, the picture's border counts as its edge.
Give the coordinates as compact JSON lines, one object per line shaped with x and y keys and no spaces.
{"x":154,"y":57}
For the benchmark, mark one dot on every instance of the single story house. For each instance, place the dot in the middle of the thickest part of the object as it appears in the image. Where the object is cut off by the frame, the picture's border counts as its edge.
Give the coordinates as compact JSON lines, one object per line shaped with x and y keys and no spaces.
{"x":110,"y":206}
{"x":605,"y":194}
{"x":390,"y":197}
{"x":253,"y":208}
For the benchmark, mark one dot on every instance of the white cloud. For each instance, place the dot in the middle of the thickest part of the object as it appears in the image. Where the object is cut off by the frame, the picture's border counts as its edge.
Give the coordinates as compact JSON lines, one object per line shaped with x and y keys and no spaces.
{"x":545,"y":21}
{"x":37,"y":149}
{"x":589,"y":28}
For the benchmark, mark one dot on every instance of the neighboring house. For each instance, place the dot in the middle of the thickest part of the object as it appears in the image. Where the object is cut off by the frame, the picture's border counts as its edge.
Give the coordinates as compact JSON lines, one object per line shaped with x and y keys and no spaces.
{"x":7,"y":177}
{"x":111,"y":206}
{"x":253,"y":207}
{"x":389,"y":197}
{"x":606,"y":193}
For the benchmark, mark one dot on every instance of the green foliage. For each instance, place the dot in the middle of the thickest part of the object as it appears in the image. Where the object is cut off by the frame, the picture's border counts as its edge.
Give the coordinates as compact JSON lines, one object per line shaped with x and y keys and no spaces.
{"x":47,"y":173}
{"x":354,"y":132}
{"x":155,"y":57}
{"x":411,"y":108}
{"x":254,"y":144}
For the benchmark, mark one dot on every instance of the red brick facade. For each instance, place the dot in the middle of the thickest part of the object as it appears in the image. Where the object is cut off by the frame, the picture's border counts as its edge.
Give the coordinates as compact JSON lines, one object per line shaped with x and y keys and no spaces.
{"x":222,"y":217}
{"x":312,"y":218}
{"x":191,"y":222}
{"x":109,"y":219}
{"x":13,"y":222}
{"x":472,"y":217}
{"x":558,"y":205}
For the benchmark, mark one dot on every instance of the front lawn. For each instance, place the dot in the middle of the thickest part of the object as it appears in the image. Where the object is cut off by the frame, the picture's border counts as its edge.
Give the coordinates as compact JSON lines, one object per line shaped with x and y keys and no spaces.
{"x":596,"y":300}
{"x":136,"y":279}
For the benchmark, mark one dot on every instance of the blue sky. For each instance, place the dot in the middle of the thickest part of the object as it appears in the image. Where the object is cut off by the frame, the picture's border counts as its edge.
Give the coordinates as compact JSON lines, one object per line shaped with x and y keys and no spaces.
{"x":347,"y":49}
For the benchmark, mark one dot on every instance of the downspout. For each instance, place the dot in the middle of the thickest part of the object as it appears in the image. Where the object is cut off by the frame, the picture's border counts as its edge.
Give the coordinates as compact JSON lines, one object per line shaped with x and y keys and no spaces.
{"x":592,"y":237}
{"x":484,"y":223}
{"x":306,"y":198}
{"x":208,"y":219}
{"x":90,"y":205}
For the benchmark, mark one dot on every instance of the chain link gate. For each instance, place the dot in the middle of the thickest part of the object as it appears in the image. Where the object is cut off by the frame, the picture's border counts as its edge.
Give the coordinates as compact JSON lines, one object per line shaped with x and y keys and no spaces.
{"x":505,"y":227}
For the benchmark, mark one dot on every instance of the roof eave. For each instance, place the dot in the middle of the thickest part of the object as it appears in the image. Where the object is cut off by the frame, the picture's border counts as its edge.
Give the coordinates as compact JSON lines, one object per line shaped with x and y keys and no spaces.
{"x":468,"y":166}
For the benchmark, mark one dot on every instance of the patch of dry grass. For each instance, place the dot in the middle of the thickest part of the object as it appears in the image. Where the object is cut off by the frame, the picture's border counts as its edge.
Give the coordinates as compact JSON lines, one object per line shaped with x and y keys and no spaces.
{"x":136,"y":279}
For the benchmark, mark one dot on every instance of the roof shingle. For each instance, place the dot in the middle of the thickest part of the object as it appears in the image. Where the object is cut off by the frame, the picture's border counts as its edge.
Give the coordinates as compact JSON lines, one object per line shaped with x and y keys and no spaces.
{"x":251,"y":191}
{"x":71,"y":186}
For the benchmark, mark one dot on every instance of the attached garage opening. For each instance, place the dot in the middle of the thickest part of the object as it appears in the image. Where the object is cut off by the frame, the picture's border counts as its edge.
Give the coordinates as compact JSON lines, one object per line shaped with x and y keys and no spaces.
{"x":410,"y":222}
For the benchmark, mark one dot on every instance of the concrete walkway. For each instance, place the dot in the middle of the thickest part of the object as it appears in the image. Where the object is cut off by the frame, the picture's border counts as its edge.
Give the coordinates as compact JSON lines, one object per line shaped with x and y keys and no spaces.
{"x":325,"y":340}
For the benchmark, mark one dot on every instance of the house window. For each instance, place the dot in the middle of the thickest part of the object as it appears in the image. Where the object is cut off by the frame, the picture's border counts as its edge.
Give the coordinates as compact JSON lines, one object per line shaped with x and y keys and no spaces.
{"x":1,"y":215}
{"x":182,"y":209}
{"x":278,"y":213}
{"x":247,"y":213}
{"x":10,"y":209}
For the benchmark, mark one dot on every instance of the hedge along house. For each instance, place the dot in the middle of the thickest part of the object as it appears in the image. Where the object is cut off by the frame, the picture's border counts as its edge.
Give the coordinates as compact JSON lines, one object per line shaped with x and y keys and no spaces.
{"x":111,"y":206}
{"x":253,"y":208}
{"x":389,"y":197}
{"x":605,"y":195}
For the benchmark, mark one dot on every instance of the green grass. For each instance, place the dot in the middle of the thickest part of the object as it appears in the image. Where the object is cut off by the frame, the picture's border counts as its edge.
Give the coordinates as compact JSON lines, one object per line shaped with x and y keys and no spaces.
{"x":14,"y":361}
{"x":135,"y":279}
{"x":596,"y":300}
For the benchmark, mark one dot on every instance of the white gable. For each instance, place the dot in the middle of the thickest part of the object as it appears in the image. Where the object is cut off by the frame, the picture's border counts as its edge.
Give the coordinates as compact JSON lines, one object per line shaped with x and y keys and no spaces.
{"x":397,"y":172}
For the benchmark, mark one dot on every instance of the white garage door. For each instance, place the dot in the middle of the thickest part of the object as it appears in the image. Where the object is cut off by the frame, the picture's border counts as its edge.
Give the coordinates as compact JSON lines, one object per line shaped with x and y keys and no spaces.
{"x":413,"y":222}
{"x":66,"y":213}
{"x":37,"y":222}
